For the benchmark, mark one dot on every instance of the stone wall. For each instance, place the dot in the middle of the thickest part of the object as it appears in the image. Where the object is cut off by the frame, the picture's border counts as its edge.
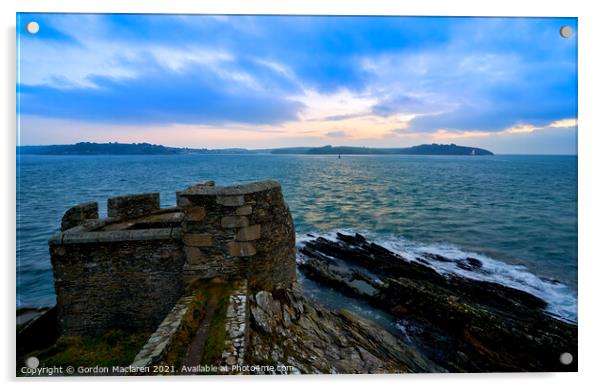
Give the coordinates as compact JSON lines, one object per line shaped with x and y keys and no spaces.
{"x":109,"y":274}
{"x":131,"y":206}
{"x":242,"y":231}
{"x":123,"y":279}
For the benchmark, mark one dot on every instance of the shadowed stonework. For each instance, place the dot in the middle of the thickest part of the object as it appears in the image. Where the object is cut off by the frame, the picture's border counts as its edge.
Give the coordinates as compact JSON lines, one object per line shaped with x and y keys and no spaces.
{"x":243,"y":230}
{"x":130,"y":269}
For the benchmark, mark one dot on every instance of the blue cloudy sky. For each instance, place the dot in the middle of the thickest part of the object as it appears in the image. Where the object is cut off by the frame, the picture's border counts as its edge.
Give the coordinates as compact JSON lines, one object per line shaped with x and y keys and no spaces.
{"x":506,"y":84}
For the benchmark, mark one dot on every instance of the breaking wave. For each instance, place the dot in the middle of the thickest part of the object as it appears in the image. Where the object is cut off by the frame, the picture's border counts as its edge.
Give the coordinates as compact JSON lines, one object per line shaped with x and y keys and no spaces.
{"x":560,"y":298}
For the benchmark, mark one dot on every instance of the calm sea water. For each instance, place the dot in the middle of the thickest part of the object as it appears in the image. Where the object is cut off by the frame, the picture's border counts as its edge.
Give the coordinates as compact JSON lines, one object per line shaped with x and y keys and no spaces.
{"x":518,"y":214}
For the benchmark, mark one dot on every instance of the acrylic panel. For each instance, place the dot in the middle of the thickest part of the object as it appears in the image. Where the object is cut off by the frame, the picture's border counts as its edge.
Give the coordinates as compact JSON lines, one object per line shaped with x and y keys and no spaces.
{"x":231,"y":194}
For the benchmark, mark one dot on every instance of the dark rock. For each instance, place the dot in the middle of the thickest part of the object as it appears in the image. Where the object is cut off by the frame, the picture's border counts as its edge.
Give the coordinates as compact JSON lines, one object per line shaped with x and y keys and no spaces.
{"x":436,"y":257}
{"x":460,"y":324}
{"x":316,"y":340}
{"x":421,"y":260}
{"x":476,"y":263}
{"x":551,"y":280}
{"x":469,"y":264}
{"x":38,"y":333}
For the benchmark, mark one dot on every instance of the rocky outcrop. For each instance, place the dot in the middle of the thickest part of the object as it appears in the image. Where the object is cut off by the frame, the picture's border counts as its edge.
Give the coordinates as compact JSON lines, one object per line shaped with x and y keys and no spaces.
{"x":288,"y":329}
{"x":129,"y":270}
{"x":461,"y":324}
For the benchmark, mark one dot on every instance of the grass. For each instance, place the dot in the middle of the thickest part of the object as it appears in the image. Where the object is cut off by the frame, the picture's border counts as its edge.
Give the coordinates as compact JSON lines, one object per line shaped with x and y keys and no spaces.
{"x":118,"y":347}
{"x":188,"y":329}
{"x":114,"y":348}
{"x":217,"y":331}
{"x":204,"y":293}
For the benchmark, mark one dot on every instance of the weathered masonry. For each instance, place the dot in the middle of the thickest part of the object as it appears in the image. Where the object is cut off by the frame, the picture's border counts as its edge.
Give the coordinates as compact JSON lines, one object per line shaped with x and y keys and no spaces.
{"x":129,"y":270}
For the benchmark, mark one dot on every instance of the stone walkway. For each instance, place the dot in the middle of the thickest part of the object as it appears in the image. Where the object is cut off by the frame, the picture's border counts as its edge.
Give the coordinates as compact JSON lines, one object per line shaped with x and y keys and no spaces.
{"x":194,"y":354}
{"x":237,"y":326}
{"x":158,"y":344}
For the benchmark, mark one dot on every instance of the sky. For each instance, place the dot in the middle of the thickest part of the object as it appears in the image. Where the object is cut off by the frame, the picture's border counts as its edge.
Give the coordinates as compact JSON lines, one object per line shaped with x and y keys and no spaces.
{"x":505,"y":84}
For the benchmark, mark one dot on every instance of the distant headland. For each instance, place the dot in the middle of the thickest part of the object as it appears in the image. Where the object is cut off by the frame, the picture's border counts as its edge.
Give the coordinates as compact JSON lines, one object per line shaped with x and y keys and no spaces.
{"x":114,"y":148}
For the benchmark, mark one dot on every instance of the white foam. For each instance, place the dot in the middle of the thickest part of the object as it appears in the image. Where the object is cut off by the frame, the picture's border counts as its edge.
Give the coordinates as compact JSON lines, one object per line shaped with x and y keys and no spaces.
{"x":561,"y":299}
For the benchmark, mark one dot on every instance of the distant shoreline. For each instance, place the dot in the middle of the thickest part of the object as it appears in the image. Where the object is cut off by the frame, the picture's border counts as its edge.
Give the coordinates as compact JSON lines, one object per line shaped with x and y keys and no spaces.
{"x":90,"y":148}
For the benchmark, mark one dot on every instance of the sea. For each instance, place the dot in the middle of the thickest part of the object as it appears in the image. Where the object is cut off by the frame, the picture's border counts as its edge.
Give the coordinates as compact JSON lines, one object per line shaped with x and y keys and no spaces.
{"x":516,"y":213}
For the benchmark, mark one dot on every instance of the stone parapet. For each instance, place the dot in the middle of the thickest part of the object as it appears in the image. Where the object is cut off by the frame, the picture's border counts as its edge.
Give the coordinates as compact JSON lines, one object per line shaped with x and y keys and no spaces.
{"x":230,"y":191}
{"x":240,"y":231}
{"x":131,"y":206}
{"x":128,"y":270}
{"x":77,"y":215}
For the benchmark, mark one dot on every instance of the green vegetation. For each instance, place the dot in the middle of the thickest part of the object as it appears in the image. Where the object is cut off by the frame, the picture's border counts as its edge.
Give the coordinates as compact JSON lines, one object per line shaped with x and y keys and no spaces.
{"x":188,"y":329}
{"x":205,"y":294}
{"x":115,"y":348}
{"x":432,"y":149}
{"x":114,"y":148}
{"x":118,"y":347}
{"x":217,"y":332}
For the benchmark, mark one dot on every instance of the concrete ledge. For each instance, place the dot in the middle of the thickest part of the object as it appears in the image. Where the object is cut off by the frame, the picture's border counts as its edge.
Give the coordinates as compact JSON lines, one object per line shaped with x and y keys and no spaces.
{"x":241,"y":189}
{"x":116,"y":236}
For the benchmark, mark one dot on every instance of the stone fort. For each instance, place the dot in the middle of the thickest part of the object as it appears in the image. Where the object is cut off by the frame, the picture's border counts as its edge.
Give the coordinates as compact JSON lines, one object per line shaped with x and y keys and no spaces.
{"x":130,"y":269}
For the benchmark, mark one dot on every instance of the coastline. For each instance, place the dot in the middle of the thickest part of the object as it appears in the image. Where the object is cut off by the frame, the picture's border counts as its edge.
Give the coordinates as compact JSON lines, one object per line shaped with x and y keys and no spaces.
{"x":216,"y":282}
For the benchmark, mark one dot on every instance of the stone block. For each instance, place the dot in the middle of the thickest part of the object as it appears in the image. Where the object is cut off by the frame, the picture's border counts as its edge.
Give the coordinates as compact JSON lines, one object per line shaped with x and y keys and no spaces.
{"x":236,"y":200}
{"x":248,"y":233}
{"x":195,"y":214}
{"x":131,"y":206}
{"x":242,"y":249}
{"x":77,"y":215}
{"x":232,"y":221}
{"x":190,"y":278}
{"x":199,"y":239}
{"x":182,"y":201}
{"x":244,"y":210}
{"x":193,"y":255}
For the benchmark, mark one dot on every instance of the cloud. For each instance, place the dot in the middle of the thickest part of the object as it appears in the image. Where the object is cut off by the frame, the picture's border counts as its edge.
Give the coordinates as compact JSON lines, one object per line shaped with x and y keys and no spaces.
{"x":337,"y":134}
{"x":401,"y":103}
{"x":342,"y":104}
{"x":162,"y":97}
{"x":516,"y":129}
{"x":379,"y":78}
{"x":563,"y":123}
{"x":481,"y":80}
